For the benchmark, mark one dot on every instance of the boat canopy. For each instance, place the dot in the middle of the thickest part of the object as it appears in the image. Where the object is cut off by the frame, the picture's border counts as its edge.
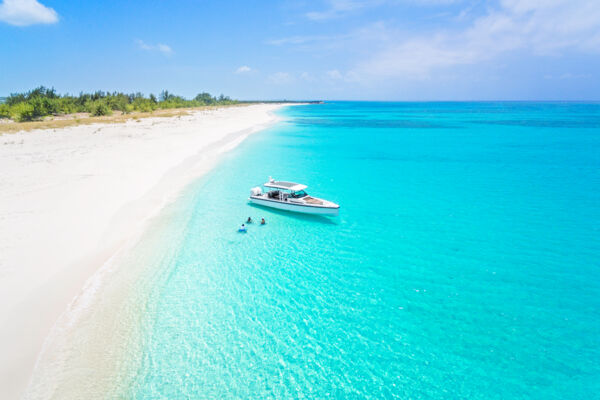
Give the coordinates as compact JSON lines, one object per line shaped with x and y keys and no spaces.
{"x":294,"y":187}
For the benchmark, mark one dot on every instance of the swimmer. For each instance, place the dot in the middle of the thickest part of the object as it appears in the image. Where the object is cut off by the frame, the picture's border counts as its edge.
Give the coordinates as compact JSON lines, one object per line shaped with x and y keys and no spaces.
{"x":249,"y":220}
{"x":262,"y":221}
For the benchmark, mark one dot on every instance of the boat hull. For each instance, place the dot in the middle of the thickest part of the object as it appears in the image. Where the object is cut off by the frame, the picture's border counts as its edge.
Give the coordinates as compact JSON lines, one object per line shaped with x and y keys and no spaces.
{"x":301,"y":208}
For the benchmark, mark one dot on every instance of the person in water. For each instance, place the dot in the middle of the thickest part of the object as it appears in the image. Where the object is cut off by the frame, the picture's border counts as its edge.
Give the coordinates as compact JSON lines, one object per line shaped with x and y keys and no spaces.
{"x":243,"y":227}
{"x":262,"y":221}
{"x":249,"y":220}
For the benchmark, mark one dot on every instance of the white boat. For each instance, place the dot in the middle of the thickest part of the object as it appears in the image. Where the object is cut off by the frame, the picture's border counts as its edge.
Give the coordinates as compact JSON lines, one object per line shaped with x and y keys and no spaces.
{"x":291,"y":196}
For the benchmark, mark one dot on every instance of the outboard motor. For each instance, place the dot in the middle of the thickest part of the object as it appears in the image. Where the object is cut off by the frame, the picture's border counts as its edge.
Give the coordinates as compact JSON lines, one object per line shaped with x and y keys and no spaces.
{"x":255,"y":191}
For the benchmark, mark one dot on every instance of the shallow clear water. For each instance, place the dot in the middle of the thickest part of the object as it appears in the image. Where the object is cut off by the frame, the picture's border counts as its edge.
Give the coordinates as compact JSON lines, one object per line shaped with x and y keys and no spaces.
{"x":465,"y":262}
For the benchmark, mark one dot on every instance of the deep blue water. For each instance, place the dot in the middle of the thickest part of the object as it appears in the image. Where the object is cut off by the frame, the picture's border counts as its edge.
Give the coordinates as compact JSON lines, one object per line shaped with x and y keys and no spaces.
{"x":465,"y":262}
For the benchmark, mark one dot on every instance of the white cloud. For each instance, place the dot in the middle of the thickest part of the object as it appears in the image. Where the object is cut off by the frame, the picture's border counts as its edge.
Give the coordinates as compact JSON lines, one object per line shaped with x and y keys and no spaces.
{"x":341,"y":8}
{"x":368,"y":37}
{"x":296,"y":40}
{"x":567,"y":76}
{"x":538,"y":27}
{"x":26,"y":12}
{"x":305,"y":76}
{"x":334,"y":74}
{"x":478,"y":38}
{"x":163,"y":48}
{"x":280,"y":78}
{"x":243,"y":69}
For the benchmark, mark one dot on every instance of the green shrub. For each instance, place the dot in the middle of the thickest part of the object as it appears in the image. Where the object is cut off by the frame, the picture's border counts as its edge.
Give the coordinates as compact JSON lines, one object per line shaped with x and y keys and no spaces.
{"x":43,"y":106}
{"x":99,"y":108}
{"x":22,"y":112}
{"x":4,"y":111}
{"x":144,"y":105}
{"x":67,"y":105}
{"x":42,"y":101}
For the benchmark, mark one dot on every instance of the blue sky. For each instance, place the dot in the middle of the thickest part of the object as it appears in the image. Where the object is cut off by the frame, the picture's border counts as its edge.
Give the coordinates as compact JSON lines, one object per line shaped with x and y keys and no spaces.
{"x":331,"y":49}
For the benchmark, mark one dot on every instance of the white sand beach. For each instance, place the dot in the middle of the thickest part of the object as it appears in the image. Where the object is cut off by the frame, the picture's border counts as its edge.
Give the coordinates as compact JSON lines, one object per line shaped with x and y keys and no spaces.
{"x":71,"y":197}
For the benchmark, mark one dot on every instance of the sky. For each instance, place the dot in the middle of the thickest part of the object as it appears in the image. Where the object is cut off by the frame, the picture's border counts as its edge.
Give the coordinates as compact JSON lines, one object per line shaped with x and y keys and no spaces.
{"x":320,"y":49}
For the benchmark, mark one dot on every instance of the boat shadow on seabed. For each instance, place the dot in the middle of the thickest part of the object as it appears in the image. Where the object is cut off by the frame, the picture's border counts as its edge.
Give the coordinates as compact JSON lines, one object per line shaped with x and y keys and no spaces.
{"x":304,"y":217}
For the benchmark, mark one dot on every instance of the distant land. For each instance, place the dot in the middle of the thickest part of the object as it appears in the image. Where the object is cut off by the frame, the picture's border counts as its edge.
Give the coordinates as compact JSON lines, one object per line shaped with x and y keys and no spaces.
{"x":44,"y":108}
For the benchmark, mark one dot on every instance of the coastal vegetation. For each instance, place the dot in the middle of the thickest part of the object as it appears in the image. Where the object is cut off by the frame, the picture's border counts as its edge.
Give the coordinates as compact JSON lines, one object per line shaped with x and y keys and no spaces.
{"x":42,"y":102}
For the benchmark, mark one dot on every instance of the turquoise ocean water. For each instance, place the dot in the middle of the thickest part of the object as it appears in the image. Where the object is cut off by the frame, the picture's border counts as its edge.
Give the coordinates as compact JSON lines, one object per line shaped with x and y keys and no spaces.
{"x":465,"y":262}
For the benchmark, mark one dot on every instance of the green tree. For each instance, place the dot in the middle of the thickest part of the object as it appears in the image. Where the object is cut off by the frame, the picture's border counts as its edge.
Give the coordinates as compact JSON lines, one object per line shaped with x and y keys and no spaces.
{"x":205,"y":98}
{"x":165,"y":95}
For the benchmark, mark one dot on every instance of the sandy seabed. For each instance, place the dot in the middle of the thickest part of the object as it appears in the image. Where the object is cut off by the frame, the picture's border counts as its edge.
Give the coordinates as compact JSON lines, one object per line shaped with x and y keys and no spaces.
{"x":71,"y":198}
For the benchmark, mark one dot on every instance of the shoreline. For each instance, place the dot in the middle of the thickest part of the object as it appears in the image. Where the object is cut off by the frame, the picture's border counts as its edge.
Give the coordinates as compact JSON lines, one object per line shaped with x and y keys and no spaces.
{"x":74,"y":197}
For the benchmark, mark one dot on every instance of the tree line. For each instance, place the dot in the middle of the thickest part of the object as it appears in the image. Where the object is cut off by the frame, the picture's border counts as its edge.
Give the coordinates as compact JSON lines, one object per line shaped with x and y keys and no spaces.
{"x":42,"y":101}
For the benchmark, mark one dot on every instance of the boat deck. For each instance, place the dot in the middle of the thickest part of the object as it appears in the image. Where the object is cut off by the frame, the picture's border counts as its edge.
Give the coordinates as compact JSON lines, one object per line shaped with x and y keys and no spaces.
{"x":312,"y":200}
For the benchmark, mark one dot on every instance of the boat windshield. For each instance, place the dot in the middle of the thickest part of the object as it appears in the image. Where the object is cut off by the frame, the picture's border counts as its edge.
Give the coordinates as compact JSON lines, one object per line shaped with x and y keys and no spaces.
{"x":299,"y":194}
